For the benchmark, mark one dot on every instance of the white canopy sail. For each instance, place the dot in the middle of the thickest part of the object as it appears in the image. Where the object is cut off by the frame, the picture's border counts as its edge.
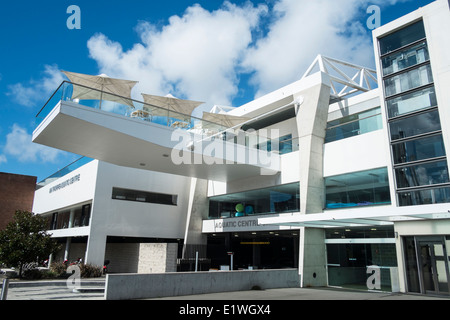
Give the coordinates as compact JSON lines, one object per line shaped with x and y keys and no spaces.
{"x":225,"y":120}
{"x":120,"y":89}
{"x":179,"y":108}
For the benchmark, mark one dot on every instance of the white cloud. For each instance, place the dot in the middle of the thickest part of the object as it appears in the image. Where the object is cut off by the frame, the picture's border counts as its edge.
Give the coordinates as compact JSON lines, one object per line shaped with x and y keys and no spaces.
{"x":3,"y":159}
{"x":303,"y":30}
{"x":36,"y":90}
{"x":194,"y":56}
{"x":202,"y":54}
{"x":19,"y":144}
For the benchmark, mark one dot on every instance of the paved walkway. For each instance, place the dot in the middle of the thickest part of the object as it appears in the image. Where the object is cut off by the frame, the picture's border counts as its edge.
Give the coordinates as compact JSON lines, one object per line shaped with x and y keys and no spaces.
{"x":94,"y":290}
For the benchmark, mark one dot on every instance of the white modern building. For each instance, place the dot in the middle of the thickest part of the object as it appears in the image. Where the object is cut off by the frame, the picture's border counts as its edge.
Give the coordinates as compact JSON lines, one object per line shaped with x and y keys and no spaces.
{"x":342,"y":174}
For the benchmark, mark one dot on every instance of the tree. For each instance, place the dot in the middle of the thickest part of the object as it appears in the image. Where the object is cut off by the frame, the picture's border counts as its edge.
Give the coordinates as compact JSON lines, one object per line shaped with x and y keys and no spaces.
{"x":24,"y":240}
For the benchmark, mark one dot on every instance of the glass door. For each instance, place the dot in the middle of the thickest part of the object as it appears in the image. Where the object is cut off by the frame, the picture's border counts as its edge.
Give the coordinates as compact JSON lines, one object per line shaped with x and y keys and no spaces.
{"x":433,"y":266}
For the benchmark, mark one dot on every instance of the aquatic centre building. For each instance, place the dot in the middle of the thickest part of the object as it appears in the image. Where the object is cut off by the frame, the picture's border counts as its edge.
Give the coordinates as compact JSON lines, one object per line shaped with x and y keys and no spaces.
{"x":342,"y":174}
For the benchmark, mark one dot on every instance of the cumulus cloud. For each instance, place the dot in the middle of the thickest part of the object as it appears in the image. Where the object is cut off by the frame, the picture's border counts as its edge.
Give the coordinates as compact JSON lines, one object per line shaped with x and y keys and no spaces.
{"x":3,"y":159}
{"x":19,"y":145}
{"x":194,"y":56}
{"x":302,"y":30}
{"x":35,"y":90}
{"x":202,"y":54}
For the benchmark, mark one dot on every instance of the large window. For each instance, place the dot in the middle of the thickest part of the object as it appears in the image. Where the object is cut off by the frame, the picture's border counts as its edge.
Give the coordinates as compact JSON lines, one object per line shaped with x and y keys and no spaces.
{"x":408,"y":80}
{"x":418,"y":149}
{"x":401,"y":38}
{"x":417,"y":124}
{"x":363,"y":188}
{"x":405,"y":58}
{"x":353,"y":125}
{"x":428,"y":173}
{"x":411,"y":102}
{"x":279,"y":199}
{"x":352,"y":250}
{"x":144,"y":196}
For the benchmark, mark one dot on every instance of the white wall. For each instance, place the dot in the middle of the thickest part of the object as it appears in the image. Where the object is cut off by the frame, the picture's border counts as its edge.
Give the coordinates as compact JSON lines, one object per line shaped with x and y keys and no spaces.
{"x":136,"y":219}
{"x":358,"y":153}
{"x":79,"y":191}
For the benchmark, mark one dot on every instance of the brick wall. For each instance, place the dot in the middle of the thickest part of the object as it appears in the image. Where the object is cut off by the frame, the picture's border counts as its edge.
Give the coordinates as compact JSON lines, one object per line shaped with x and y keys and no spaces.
{"x":16,"y":193}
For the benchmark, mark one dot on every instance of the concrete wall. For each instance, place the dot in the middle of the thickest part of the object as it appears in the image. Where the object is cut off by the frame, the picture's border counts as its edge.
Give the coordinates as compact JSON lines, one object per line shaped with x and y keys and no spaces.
{"x":136,"y":286}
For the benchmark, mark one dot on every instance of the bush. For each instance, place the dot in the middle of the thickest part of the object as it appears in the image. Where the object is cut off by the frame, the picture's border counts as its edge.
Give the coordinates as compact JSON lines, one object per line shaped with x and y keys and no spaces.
{"x":59,"y":270}
{"x":90,"y":271}
{"x":86,"y":270}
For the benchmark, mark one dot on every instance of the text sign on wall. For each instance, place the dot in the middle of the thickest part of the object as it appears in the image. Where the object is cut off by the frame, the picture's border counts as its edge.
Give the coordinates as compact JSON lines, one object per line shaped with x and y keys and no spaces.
{"x":65,"y":183}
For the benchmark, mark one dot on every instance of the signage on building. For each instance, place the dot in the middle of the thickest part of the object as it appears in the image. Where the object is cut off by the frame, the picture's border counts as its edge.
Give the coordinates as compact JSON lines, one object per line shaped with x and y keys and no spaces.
{"x":65,"y":183}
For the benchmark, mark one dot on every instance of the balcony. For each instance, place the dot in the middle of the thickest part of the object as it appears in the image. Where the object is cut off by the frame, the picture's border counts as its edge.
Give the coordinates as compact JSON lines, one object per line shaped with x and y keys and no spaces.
{"x":137,"y":134}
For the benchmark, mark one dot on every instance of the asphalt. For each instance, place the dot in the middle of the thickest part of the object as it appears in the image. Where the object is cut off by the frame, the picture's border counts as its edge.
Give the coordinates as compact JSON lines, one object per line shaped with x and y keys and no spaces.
{"x":93,"y":289}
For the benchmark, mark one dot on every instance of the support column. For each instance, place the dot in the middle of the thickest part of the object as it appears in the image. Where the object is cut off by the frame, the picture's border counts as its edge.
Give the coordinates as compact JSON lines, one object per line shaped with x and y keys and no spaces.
{"x":197,"y":211}
{"x":312,"y":116}
{"x":67,"y":249}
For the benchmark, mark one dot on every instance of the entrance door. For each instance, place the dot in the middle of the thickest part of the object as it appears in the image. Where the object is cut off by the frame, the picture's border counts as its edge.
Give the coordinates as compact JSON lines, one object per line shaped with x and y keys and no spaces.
{"x":433,"y":265}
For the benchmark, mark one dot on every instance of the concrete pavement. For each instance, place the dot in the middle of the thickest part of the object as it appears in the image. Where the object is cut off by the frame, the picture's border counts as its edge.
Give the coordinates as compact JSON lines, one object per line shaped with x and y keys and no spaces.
{"x":93,"y":290}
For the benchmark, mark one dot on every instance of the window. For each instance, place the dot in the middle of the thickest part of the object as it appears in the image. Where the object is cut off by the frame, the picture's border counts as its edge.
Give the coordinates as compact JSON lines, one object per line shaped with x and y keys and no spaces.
{"x":415,"y":125}
{"x":144,"y":196}
{"x":401,"y":38}
{"x":411,"y":102}
{"x":425,"y":196}
{"x":406,"y":58}
{"x":353,"y":125}
{"x":285,"y":145}
{"x":428,"y":173}
{"x":418,"y":149}
{"x":279,"y":199}
{"x":408,"y":80}
{"x":364,"y":188}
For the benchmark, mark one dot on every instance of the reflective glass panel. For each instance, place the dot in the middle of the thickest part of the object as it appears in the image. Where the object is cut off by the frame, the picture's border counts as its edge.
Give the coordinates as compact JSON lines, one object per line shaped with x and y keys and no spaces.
{"x":401,"y":38}
{"x":408,"y":80}
{"x":419,"y":149}
{"x":415,"y":125}
{"x":354,"y":125}
{"x":422,"y":174}
{"x":364,"y":188}
{"x":428,"y":196}
{"x":278,"y":199}
{"x":411,"y":102}
{"x":405,"y":58}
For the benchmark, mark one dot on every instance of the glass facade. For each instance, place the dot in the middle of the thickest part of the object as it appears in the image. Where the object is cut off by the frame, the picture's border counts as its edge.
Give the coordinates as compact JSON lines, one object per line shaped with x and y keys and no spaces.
{"x":417,"y":146}
{"x":364,"y":188}
{"x":351,"y":251}
{"x":278,"y":199}
{"x":354,"y":125}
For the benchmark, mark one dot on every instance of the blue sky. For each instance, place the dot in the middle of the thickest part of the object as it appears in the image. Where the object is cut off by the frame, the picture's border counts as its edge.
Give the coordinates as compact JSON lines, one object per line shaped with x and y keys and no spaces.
{"x":224,"y":53}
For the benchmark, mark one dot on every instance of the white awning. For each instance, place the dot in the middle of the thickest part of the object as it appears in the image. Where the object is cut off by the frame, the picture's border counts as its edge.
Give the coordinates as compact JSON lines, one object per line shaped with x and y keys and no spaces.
{"x":181,"y":109}
{"x":120,"y":89}
{"x":375,"y":216}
